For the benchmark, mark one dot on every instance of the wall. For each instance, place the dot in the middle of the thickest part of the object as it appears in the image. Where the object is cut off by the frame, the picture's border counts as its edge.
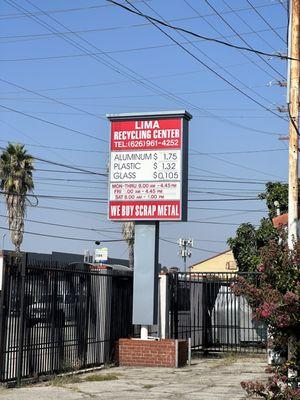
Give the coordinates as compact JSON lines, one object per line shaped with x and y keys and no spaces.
{"x":216,"y":264}
{"x":152,"y":353}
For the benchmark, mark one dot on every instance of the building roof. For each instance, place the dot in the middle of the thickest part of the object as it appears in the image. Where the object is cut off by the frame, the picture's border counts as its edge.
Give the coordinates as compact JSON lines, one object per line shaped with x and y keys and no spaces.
{"x":210,"y":258}
{"x":280,"y":220}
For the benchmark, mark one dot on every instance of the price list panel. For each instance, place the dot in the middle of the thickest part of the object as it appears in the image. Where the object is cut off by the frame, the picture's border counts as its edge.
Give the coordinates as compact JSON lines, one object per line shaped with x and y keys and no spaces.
{"x":146,"y":170}
{"x":145,"y":166}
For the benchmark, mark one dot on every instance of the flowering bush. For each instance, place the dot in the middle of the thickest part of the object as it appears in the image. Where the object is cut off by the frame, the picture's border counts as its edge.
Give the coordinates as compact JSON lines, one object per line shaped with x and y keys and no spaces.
{"x":275,"y":300}
{"x":276,"y":388}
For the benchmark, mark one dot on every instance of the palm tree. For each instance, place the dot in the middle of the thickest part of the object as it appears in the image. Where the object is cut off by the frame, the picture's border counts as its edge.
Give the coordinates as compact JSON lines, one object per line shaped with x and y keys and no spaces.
{"x":16,"y":167}
{"x":128,"y":235}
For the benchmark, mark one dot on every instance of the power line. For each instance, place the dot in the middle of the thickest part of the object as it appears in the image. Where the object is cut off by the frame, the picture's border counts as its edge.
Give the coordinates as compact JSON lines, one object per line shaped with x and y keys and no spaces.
{"x":200,"y":61}
{"x":68,"y":10}
{"x":53,"y":123}
{"x":104,"y":200}
{"x":190,"y":179}
{"x":105,"y":182}
{"x":30,"y":99}
{"x":60,"y":148}
{"x":194,"y":116}
{"x":241,"y":38}
{"x":198,"y":240}
{"x":63,"y":237}
{"x":219,"y":194}
{"x":62,"y":171}
{"x":140,"y":80}
{"x":233,"y":191}
{"x":71,"y":210}
{"x":64,"y":165}
{"x":249,"y":26}
{"x":224,"y":37}
{"x":235,"y":199}
{"x":63,"y":225}
{"x":190,"y":208}
{"x":238,"y":152}
{"x":79,"y":46}
{"x":138,"y":96}
{"x":211,"y":59}
{"x":241,"y":166}
{"x":76,"y":170}
{"x":57,"y":11}
{"x":104,"y":214}
{"x":292,"y":119}
{"x":214,"y":180}
{"x":282,"y":3}
{"x":41,"y":36}
{"x":68,"y":180}
{"x":256,"y":51}
{"x":265,"y":21}
{"x":196,"y":248}
{"x":72,"y":186}
{"x":85,"y":171}
{"x":113,"y":82}
{"x":194,"y":189}
{"x":54,"y":197}
{"x":226,"y":209}
{"x":28,"y":136}
{"x":218,"y":175}
{"x":213,"y":223}
{"x":51,"y":99}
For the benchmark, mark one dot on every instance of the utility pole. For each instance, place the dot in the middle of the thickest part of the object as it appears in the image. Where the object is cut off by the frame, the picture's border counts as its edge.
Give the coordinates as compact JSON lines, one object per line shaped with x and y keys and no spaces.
{"x":184,"y":252}
{"x":293,"y":109}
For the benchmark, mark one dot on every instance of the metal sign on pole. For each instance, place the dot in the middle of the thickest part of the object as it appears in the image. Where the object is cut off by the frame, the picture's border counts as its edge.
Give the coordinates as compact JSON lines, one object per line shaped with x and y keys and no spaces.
{"x":148,"y":183}
{"x":101,"y":255}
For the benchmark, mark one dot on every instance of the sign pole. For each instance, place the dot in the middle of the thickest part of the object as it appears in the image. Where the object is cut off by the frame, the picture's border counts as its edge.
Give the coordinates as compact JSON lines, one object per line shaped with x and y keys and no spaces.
{"x":146,"y":270}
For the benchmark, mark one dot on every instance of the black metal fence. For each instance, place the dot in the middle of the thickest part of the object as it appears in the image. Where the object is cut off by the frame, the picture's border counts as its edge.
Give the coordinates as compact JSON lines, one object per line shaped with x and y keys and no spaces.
{"x":57,"y":318}
{"x":60,"y":317}
{"x":205,"y":309}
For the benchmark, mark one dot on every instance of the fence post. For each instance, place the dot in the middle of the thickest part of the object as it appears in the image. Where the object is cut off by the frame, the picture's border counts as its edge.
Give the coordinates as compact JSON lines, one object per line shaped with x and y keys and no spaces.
{"x":189,"y":351}
{"x":204,"y":315}
{"x":87,"y":319}
{"x":3,"y":315}
{"x":173,"y":287}
{"x":164,"y":306}
{"x":21,"y":320}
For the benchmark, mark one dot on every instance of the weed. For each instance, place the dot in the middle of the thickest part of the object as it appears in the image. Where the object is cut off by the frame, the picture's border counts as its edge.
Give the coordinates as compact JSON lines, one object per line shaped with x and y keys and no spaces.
{"x":101,"y":377}
{"x":228,"y":359}
{"x":148,"y":386}
{"x":64,"y":380}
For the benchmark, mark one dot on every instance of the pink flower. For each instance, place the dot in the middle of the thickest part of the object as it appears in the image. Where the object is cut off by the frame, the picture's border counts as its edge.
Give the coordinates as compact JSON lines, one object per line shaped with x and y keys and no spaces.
{"x":265,"y":314}
{"x":261,"y":268}
{"x":291,"y":298}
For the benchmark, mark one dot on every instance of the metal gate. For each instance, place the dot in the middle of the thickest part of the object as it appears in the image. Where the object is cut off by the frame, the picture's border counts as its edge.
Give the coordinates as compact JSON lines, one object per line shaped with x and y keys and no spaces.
{"x":59,"y":317}
{"x":204,"y":308}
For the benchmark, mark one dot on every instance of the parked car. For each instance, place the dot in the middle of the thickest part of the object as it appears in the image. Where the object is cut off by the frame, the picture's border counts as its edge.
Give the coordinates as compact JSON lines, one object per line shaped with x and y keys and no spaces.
{"x":48,"y":308}
{"x":15,"y":304}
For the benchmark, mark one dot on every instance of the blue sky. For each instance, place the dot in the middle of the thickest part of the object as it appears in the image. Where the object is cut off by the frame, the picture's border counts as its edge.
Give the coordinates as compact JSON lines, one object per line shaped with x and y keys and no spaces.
{"x":90,"y":58}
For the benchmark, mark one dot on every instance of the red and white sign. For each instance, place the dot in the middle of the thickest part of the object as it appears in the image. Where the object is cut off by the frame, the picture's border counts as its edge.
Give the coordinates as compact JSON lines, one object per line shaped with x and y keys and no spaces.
{"x":146,"y":169}
{"x":145,"y":210}
{"x":146,"y":135}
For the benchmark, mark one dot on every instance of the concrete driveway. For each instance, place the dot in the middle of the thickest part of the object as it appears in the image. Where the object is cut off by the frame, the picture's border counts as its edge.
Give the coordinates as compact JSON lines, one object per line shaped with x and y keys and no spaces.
{"x":205,"y":379}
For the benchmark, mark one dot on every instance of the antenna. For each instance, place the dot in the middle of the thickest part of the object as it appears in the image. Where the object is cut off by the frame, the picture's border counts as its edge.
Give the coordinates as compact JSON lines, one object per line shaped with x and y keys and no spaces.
{"x":184,"y":249}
